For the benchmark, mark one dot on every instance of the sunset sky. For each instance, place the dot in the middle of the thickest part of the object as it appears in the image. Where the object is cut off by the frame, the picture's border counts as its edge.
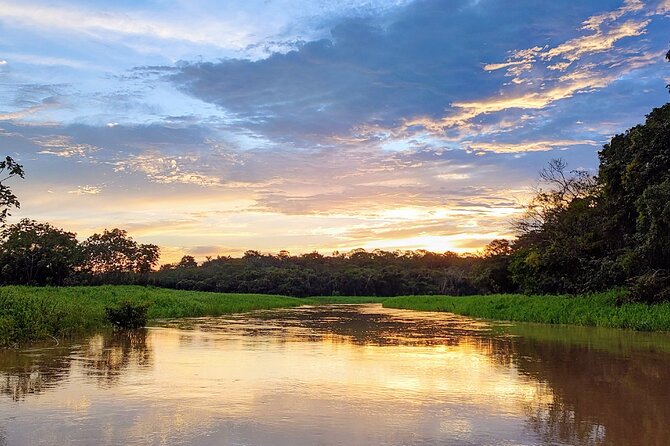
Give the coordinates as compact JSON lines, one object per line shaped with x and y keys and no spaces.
{"x":211,"y":127}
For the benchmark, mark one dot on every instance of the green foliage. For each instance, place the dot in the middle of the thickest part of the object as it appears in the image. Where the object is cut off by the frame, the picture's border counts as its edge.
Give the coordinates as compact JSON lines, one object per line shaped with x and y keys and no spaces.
{"x":8,"y":169}
{"x":114,"y":252}
{"x":588,"y":234}
{"x":33,"y":313}
{"x":597,"y":309}
{"x":37,"y":254}
{"x":635,"y":173}
{"x":650,"y":287}
{"x":491,"y":272}
{"x":33,"y":253}
{"x":128,"y":315}
{"x":358,"y":273}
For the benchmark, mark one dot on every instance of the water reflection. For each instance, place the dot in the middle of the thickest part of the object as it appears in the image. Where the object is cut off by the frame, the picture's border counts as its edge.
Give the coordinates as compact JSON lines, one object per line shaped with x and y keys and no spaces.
{"x":32,"y":371}
{"x":341,"y":375}
{"x":104,"y":356}
{"x":599,"y":396}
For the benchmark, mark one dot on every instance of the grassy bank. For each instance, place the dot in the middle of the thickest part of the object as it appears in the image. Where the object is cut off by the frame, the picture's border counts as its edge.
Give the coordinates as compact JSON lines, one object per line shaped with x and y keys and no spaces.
{"x":598,"y":309}
{"x":32,"y":313}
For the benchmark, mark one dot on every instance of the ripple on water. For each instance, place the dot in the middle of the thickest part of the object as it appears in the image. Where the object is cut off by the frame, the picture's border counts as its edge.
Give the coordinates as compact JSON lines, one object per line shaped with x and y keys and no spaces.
{"x":340,"y":374}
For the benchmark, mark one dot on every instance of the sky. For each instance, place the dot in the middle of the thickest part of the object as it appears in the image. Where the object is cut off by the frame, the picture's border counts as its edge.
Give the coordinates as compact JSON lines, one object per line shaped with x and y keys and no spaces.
{"x":210,"y":128}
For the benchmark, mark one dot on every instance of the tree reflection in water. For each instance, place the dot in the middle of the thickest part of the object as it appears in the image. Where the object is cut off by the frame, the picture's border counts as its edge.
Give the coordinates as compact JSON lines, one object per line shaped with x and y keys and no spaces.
{"x":602,"y":386}
{"x":595,"y":387}
{"x":104,"y":356}
{"x":26,"y":372}
{"x":599,"y":397}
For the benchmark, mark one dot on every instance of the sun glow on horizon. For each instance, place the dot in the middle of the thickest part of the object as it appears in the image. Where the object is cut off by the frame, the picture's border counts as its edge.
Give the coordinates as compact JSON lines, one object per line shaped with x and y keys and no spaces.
{"x":302,"y":129}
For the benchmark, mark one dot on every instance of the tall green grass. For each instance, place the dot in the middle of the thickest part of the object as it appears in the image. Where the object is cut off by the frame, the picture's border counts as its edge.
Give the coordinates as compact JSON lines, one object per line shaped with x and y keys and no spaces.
{"x":597,"y":309}
{"x":33,"y":313}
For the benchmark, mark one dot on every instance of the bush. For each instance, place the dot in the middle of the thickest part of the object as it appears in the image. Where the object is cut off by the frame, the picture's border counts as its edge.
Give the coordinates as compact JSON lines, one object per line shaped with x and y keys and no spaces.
{"x":128,"y":315}
{"x":652,"y":287}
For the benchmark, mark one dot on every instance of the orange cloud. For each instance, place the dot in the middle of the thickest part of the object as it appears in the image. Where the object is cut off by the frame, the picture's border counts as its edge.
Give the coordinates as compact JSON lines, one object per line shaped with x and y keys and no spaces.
{"x":529,"y":146}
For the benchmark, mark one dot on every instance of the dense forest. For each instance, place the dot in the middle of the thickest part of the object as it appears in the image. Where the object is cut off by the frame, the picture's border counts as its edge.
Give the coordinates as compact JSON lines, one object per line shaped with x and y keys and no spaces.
{"x":357,"y":273}
{"x":580,"y":233}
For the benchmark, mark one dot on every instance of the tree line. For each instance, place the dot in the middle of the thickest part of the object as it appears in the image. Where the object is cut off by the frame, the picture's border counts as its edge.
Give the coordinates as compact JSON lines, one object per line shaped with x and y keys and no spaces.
{"x":356,"y":273}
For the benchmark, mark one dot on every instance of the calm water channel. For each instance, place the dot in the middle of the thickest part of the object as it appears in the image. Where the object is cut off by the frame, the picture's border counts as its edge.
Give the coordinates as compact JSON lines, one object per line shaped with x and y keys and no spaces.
{"x":340,"y":375}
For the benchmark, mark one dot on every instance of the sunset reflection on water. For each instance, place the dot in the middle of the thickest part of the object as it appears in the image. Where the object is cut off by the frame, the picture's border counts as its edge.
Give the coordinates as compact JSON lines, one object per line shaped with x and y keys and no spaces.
{"x":356,"y":374}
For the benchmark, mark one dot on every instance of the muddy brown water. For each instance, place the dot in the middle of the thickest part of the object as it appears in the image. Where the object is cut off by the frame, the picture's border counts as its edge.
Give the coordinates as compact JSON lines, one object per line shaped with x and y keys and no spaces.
{"x":340,"y":375}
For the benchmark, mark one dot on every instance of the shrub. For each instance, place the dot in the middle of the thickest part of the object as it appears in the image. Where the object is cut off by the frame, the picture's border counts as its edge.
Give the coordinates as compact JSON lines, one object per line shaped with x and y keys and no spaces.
{"x":128,"y":315}
{"x":651,"y":287}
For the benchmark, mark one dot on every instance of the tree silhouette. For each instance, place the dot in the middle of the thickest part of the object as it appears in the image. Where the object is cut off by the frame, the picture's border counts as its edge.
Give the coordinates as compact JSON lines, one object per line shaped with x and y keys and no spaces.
{"x":8,"y":169}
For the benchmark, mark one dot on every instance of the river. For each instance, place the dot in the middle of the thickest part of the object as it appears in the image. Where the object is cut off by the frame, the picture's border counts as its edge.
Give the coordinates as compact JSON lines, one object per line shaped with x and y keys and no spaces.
{"x":340,"y":375}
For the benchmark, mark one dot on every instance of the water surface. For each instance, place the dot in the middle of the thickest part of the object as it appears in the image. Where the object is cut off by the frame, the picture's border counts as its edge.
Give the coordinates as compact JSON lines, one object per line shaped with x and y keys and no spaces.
{"x":340,"y":375}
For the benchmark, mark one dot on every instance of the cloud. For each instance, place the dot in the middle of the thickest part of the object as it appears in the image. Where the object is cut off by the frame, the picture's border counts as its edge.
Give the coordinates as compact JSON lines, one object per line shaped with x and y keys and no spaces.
{"x":605,"y":33}
{"x":386,"y":80}
{"x":595,"y":22}
{"x":49,"y":61}
{"x":167,"y":169}
{"x":575,"y":49}
{"x":98,"y":24}
{"x":366,"y":73}
{"x":417,"y":124}
{"x":26,"y":112}
{"x":536,"y":86}
{"x":63,"y":146}
{"x":86,"y":190}
{"x":528,"y":146}
{"x":253,"y":28}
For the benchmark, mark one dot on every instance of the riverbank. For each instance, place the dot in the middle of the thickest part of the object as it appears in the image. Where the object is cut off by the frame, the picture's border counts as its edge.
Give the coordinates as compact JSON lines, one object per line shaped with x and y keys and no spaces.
{"x":35,"y":313}
{"x":597,"y":309}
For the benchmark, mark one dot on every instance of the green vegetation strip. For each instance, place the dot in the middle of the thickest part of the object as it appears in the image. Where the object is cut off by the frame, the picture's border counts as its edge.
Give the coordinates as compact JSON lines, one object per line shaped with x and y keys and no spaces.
{"x":598,"y":309}
{"x":34,"y":313}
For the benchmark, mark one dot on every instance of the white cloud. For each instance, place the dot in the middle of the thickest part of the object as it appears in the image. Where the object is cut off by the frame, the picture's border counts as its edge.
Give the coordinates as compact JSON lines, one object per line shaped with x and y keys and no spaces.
{"x":596,"y":21}
{"x":161,"y":168}
{"x":63,"y":146}
{"x":663,"y":7}
{"x":248,"y":27}
{"x":95,"y":23}
{"x":86,"y":190}
{"x":18,"y":114}
{"x":527,"y":146}
{"x":543,"y":75}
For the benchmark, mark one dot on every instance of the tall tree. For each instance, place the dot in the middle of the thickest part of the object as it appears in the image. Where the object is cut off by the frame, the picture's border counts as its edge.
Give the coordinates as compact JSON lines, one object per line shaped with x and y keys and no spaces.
{"x":560,"y":247}
{"x":635,"y":175}
{"x":37,"y":254}
{"x":114,"y":254}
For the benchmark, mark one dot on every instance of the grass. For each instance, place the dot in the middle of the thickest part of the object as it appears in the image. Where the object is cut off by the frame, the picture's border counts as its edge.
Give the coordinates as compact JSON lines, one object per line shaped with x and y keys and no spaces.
{"x":34,"y":313}
{"x":597,"y":309}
